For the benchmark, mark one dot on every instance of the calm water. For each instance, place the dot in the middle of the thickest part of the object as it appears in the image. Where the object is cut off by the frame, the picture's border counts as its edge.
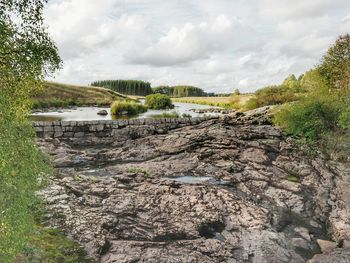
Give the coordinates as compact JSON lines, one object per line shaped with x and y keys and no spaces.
{"x":90,"y":113}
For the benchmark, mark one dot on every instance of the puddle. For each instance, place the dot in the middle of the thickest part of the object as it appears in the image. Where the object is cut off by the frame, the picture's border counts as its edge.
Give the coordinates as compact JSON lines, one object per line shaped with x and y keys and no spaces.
{"x":196,"y":180}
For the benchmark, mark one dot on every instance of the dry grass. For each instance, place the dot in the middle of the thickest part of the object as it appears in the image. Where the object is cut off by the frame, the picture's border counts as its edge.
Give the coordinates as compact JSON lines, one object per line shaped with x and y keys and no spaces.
{"x":57,"y":94}
{"x":232,"y":102}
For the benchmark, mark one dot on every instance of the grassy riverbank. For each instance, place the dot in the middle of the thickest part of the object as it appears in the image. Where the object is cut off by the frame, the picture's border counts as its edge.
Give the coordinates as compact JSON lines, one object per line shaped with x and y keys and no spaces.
{"x":232,"y":102}
{"x":61,"y":95}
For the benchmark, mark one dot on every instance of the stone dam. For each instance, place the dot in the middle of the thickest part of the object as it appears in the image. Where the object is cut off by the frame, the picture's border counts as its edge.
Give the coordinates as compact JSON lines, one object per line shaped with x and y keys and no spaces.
{"x":132,"y":128}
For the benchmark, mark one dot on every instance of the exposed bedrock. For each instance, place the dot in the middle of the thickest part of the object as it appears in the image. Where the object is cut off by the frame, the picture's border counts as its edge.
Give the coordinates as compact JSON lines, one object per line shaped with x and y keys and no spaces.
{"x":232,"y":189}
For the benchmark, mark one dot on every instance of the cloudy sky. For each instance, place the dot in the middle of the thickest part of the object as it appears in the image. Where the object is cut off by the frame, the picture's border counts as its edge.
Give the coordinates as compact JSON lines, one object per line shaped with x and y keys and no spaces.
{"x":218,"y":45}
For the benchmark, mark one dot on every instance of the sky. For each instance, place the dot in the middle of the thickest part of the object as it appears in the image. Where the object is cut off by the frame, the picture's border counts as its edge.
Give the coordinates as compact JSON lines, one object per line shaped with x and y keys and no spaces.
{"x":217,"y":45}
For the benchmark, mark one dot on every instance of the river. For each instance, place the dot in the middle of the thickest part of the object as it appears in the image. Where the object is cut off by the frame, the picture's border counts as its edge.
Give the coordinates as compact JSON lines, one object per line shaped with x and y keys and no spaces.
{"x":90,"y":113}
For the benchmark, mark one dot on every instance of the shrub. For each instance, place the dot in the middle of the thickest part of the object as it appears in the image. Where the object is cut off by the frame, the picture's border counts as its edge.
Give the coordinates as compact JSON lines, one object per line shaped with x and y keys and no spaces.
{"x":158,"y":102}
{"x":272,"y":95}
{"x":344,"y":119}
{"x":311,"y":117}
{"x":335,"y":64}
{"x":127,"y":107}
{"x":312,"y":81}
{"x":27,"y":56}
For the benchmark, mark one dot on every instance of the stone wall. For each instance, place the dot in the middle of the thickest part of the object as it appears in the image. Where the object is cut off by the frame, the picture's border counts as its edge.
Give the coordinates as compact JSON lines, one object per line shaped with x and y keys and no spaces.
{"x":112,"y":128}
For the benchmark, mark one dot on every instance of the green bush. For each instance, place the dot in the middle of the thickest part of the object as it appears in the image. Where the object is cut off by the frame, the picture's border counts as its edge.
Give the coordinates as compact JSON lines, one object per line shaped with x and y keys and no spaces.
{"x":344,"y":119}
{"x":311,"y":117}
{"x":273,"y":95}
{"x":158,"y":102}
{"x":128,"y":107}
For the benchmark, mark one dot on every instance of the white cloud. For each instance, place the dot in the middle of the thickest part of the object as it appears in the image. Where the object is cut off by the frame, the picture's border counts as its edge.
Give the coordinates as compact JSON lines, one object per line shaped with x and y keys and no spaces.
{"x":192,"y":42}
{"x":218,"y":45}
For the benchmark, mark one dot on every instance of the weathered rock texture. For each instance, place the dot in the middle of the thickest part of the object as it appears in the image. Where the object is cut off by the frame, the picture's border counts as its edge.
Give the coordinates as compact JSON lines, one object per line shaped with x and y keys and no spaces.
{"x":267,"y":201}
{"x":123,"y":129}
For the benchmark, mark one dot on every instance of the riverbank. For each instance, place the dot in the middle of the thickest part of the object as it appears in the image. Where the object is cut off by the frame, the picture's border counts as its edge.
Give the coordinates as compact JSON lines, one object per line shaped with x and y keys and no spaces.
{"x":249,"y":194}
{"x":64,"y":95}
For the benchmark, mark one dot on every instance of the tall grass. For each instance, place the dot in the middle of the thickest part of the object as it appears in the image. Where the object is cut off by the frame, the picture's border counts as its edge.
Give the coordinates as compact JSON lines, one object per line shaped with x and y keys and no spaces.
{"x":127,"y":107}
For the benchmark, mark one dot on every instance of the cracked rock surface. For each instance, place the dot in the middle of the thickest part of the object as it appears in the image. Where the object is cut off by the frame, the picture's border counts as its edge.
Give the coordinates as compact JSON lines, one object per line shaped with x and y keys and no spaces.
{"x":233,"y":189}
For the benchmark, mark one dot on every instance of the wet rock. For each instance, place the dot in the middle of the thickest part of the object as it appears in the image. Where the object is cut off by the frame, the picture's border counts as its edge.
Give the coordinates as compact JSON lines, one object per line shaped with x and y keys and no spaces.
{"x":102,"y":112}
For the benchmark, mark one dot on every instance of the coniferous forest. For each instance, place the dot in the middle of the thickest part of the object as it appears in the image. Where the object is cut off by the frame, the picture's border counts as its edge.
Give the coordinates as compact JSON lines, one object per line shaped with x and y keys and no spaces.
{"x":127,"y":87}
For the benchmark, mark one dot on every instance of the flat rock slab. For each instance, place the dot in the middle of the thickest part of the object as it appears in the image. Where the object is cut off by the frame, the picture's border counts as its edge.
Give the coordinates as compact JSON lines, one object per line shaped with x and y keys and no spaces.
{"x":114,"y":198}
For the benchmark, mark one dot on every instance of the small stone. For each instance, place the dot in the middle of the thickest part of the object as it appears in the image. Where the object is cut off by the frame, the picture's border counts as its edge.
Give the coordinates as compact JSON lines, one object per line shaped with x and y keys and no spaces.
{"x":300,"y":242}
{"x":303,"y":232}
{"x":346,"y":244}
{"x":102,"y":112}
{"x":326,"y":245}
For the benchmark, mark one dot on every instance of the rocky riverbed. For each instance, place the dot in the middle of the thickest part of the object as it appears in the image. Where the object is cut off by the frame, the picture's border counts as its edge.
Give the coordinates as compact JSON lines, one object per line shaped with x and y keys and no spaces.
{"x":249,"y":195}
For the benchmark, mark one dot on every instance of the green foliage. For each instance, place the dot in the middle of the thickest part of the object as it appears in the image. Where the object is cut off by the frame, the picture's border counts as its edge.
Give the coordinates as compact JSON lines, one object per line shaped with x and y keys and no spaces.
{"x":335,"y":64}
{"x":26,"y":55}
{"x":128,"y":87}
{"x":51,"y":246}
{"x":128,"y":107}
{"x":293,"y":178}
{"x":20,"y":165}
{"x":311,"y":117}
{"x":166,"y":90}
{"x":158,"y":102}
{"x":293,"y":83}
{"x":344,"y":119}
{"x":186,"y":115}
{"x":325,"y":109}
{"x":179,"y":91}
{"x":272,"y":95}
{"x":312,"y":81}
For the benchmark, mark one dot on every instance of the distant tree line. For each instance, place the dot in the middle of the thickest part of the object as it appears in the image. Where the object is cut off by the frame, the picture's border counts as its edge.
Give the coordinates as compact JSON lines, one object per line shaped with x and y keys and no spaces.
{"x":180,"y":91}
{"x":128,"y":87}
{"x":142,"y":88}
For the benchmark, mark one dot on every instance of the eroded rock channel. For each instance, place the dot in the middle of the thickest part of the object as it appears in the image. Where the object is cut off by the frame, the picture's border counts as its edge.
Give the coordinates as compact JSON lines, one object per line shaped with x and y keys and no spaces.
{"x":246,"y":195}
